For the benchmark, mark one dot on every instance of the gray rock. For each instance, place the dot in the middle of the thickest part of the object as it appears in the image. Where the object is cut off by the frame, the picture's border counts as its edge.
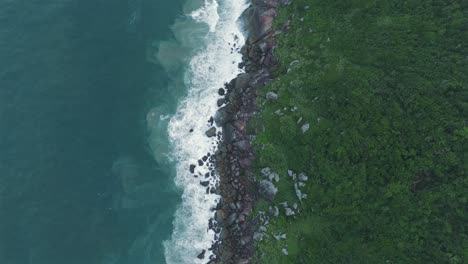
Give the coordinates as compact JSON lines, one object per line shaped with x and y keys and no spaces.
{"x":303,"y":177}
{"x":293,"y":65}
{"x":305,"y":127}
{"x":288,"y":211}
{"x":222,"y":116}
{"x":285,"y":251}
{"x":273,"y":176}
{"x":266,"y":171}
{"x":267,"y":189}
{"x":299,"y":194}
{"x":242,"y":81}
{"x":257,"y":236}
{"x":280,"y":236}
{"x":271,"y":96}
{"x":276,"y":211}
{"x":201,"y":255}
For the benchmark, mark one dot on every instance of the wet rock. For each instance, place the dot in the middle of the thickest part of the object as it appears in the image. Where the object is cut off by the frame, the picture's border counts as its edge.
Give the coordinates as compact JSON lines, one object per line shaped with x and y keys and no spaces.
{"x":200,"y":162}
{"x":221,"y":91}
{"x":271,"y":96}
{"x":204,"y":183}
{"x":222,"y":116}
{"x":211,"y":132}
{"x":201,"y":255}
{"x":192,"y":168}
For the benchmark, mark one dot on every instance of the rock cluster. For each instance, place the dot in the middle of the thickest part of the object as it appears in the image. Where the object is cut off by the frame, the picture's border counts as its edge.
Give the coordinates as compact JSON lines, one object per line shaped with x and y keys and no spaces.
{"x":234,"y":158}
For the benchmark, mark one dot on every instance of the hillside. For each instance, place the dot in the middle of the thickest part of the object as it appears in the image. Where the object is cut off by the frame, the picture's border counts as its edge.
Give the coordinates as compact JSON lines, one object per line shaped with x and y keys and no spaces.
{"x":372,"y":107}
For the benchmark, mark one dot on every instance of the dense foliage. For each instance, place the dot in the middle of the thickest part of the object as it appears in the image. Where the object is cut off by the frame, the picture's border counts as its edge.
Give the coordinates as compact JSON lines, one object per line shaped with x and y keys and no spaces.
{"x":384,"y":87}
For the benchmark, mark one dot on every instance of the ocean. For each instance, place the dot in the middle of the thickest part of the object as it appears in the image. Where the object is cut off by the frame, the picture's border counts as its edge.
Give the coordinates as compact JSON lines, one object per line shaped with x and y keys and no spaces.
{"x":103,"y":107}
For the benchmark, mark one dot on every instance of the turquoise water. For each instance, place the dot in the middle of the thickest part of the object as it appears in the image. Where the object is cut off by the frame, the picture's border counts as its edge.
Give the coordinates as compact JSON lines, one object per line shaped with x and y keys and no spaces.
{"x":78,"y":180}
{"x":103,"y":107}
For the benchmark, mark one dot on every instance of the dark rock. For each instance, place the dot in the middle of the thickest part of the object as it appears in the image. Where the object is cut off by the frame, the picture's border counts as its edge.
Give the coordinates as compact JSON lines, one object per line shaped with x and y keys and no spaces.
{"x":210,"y":121}
{"x":221,"y":91}
{"x":201,"y":255}
{"x":228,"y":133}
{"x":204,"y":158}
{"x":242,"y":144}
{"x":231,"y":219}
{"x":200,"y":163}
{"x":211,"y":132}
{"x":222,"y":116}
{"x":191,"y":130}
{"x":220,"y":102}
{"x":220,"y":216}
{"x":242,"y":81}
{"x":204,"y":183}
{"x":192,"y":168}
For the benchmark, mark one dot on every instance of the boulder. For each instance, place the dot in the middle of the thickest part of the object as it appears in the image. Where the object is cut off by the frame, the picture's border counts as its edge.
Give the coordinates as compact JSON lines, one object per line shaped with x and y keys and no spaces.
{"x":267,"y":189}
{"x":222,"y":116}
{"x":305,"y":127}
{"x":266,"y":171}
{"x":272,"y":96}
{"x":303,"y":177}
{"x":242,"y":144}
{"x":205,"y":183}
{"x":211,"y":132}
{"x":201,"y":255}
{"x":242,"y":81}
{"x":220,"y":102}
{"x":273,"y":176}
{"x":192,"y":168}
{"x":288,"y":211}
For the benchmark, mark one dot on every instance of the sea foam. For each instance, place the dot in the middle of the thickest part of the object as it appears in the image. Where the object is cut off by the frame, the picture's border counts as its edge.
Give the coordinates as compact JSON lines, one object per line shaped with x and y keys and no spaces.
{"x":213,"y":65}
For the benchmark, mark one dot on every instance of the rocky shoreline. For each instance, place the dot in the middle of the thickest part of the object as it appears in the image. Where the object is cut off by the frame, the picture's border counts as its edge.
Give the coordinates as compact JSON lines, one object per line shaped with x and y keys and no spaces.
{"x":235,"y":155}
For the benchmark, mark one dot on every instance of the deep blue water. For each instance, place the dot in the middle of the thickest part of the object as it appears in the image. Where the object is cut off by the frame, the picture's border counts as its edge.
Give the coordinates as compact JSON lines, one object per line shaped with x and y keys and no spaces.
{"x":78,"y":183}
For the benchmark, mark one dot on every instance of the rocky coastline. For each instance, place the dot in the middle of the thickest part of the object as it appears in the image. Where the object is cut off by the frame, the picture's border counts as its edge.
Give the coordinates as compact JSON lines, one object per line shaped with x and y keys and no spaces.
{"x":235,"y":155}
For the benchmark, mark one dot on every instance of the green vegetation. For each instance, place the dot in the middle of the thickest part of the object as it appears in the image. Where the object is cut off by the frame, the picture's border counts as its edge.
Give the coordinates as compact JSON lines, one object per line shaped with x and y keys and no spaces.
{"x":384,"y":86}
